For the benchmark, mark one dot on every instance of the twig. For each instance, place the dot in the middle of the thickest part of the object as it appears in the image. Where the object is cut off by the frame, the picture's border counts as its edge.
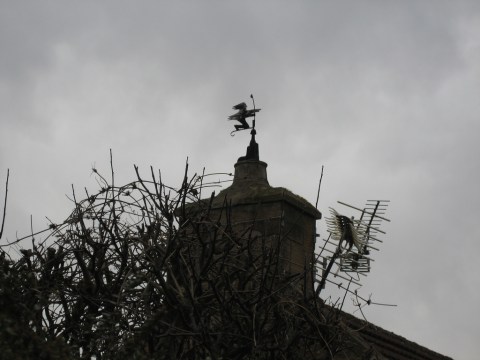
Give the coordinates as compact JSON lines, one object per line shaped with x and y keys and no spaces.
{"x":319,"y":185}
{"x":5,"y":203}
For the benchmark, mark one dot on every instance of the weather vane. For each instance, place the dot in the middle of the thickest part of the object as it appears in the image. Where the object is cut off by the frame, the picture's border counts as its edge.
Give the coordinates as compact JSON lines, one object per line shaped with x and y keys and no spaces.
{"x":242,"y":115}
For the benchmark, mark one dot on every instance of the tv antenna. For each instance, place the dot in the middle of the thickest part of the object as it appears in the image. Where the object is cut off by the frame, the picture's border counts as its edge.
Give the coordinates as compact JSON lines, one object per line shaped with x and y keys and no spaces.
{"x":347,"y":252}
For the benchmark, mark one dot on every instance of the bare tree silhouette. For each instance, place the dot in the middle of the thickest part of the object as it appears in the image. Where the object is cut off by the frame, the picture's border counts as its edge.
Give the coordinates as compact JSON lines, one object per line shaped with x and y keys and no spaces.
{"x":147,"y":271}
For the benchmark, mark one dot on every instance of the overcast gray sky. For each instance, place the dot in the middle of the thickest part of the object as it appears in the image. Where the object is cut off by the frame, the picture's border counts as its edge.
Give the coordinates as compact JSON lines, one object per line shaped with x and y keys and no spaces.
{"x":384,"y":94}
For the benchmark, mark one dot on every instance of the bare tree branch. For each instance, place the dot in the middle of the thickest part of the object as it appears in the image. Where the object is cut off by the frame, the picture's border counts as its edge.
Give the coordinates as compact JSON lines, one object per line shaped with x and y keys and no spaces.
{"x":5,"y":204}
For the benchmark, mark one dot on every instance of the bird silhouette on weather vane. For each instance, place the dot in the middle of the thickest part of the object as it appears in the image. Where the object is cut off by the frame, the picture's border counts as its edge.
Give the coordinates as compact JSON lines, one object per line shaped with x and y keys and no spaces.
{"x":241,"y":116}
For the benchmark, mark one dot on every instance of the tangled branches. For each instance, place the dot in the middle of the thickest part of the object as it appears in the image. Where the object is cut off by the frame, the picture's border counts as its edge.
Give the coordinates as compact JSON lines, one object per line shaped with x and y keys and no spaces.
{"x":146,"y":271}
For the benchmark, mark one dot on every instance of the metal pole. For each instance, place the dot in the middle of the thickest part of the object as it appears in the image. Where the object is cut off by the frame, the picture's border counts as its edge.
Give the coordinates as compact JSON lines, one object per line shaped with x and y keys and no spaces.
{"x":254,"y":112}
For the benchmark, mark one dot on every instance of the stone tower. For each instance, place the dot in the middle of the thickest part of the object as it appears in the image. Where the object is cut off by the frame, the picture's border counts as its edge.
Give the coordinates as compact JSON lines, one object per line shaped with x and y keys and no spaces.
{"x":285,"y":220}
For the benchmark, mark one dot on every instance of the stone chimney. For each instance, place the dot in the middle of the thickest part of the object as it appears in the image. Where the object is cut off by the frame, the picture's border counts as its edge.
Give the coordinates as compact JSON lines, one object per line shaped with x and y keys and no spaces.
{"x":286,"y":220}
